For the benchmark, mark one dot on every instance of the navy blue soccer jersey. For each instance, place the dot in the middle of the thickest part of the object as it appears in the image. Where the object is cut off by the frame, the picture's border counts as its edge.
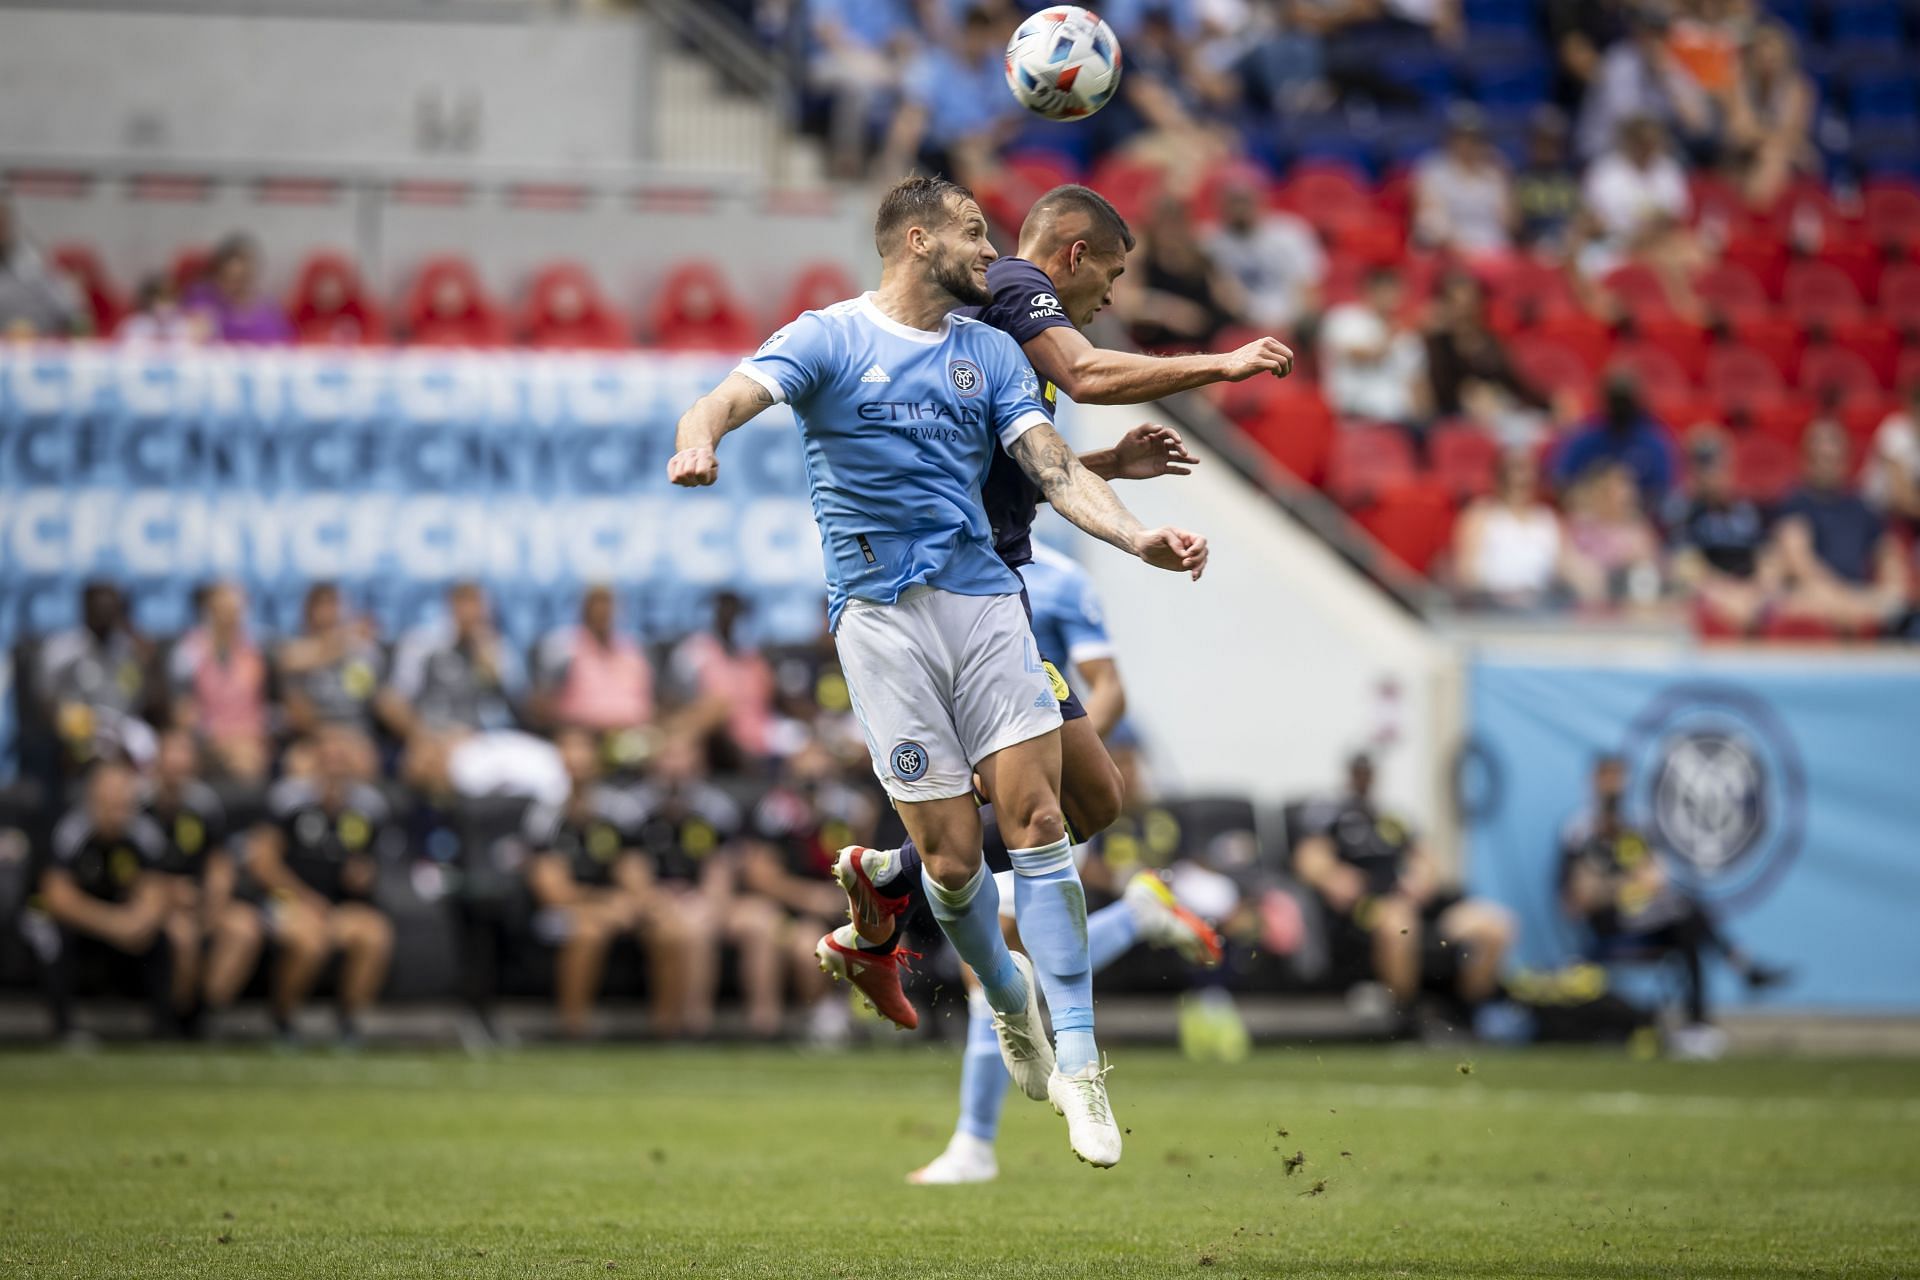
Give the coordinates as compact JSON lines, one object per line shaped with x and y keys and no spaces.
{"x":1024,"y":306}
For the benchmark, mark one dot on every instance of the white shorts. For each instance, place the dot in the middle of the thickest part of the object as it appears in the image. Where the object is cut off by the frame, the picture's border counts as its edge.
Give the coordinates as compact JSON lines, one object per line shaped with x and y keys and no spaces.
{"x":940,"y":682}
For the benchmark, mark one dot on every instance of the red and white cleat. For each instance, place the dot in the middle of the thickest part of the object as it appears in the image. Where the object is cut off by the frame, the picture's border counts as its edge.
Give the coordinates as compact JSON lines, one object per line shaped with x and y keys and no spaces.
{"x":874,"y":974}
{"x":871,"y":911}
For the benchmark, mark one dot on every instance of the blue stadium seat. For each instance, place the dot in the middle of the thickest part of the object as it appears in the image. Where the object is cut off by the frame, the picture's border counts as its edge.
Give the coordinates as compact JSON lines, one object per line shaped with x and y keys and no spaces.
{"x":1402,"y":139}
{"x":1512,"y":88}
{"x":1327,"y":137}
{"x":1797,"y":14}
{"x":1884,"y":95}
{"x":1888,"y":148}
{"x":1485,"y":17}
{"x":1865,"y":21}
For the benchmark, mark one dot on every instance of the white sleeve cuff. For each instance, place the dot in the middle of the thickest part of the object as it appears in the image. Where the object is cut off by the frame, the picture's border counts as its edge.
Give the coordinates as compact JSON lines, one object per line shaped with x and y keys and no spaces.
{"x":1021,"y":425}
{"x":1089,"y":651}
{"x":765,"y":379}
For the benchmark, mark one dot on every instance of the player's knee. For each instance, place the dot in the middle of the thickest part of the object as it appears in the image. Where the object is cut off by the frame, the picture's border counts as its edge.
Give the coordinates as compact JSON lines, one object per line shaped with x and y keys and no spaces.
{"x":1394,"y":917}
{"x":1034,"y":822}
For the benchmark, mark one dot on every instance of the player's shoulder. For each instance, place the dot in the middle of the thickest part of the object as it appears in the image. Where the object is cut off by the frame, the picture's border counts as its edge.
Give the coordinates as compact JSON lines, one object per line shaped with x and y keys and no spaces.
{"x":1577,"y":829}
{"x":71,"y":834}
{"x":290,"y":795}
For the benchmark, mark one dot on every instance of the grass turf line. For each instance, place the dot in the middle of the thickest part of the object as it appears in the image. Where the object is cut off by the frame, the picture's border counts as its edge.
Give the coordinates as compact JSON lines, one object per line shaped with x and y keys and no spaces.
{"x":728,"y":1163}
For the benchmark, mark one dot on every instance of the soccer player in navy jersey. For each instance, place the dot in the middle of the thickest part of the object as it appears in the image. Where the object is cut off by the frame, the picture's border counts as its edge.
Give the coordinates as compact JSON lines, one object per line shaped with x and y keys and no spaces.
{"x":901,"y":405}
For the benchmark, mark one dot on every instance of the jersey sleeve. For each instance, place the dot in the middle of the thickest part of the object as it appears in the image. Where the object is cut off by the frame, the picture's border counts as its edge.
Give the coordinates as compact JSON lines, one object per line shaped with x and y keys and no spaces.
{"x":1083,"y":624}
{"x":793,"y":362}
{"x":1024,"y":304}
{"x":1013,"y":387}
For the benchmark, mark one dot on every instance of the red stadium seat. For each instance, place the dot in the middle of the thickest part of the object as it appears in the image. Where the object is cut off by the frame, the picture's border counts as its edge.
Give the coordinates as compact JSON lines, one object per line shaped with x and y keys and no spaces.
{"x":1900,"y":297}
{"x":1684,"y":341}
{"x":1529,"y":293}
{"x":565,"y":311}
{"x":1737,"y":375}
{"x":189,"y":266}
{"x":1579,"y":333}
{"x":1856,"y":259}
{"x":1295,"y":429}
{"x":1021,"y":179}
{"x":1806,"y":215}
{"x":1205,"y":205}
{"x":1326,"y":194}
{"x":1639,"y":292}
{"x":1906,"y":371}
{"x":817,"y":286}
{"x":1784,"y":419}
{"x":1760,"y":256}
{"x":1820,"y":294}
{"x":1551,"y":365}
{"x":1775,"y":337}
{"x":1372,"y":240}
{"x":694,"y":310}
{"x":1731,"y":290}
{"x":1764,"y":468}
{"x":1831,"y":374}
{"x":1366,"y":460}
{"x":107,"y":303}
{"x":1657,"y":370}
{"x":1873,"y":341}
{"x":1893,"y":215}
{"x":1464,"y":458}
{"x":330,"y":307}
{"x":446,"y":306}
{"x":1412,"y":520}
{"x":1131,"y":185}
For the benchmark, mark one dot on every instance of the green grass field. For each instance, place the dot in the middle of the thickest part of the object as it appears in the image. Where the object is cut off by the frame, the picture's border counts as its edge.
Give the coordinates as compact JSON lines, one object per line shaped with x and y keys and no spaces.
{"x":723,"y":1163}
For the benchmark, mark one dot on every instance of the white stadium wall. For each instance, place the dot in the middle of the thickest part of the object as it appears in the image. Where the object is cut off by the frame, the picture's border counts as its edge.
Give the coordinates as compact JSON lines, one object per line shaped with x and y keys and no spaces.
{"x":1281,"y":660}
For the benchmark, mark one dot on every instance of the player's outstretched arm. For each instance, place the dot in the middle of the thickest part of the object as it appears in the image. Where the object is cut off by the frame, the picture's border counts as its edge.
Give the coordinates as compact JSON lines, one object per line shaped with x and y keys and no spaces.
{"x":1090,"y":503}
{"x":1147,"y":451}
{"x":735,"y":402}
{"x":1094,"y":375}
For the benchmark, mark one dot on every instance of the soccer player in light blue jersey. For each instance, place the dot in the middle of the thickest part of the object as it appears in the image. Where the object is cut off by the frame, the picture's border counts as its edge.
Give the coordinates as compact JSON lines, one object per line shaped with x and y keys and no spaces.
{"x":901,"y":405}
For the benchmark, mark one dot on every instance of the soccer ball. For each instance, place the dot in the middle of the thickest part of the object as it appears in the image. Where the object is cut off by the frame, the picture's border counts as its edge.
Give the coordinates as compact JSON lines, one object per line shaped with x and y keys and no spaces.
{"x":1063,"y":63}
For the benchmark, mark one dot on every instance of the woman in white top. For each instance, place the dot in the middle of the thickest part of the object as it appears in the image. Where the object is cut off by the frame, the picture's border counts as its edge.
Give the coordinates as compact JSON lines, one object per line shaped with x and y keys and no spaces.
{"x":1508,"y":550}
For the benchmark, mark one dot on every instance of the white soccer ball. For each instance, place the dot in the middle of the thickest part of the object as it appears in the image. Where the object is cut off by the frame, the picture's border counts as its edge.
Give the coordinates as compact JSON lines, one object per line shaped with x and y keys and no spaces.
{"x":1063,"y":63}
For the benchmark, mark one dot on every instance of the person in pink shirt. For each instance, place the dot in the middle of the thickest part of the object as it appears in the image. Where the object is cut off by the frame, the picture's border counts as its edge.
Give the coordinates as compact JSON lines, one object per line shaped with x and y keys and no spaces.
{"x":588,"y":676}
{"x":733,"y":685}
{"x":219,"y":680}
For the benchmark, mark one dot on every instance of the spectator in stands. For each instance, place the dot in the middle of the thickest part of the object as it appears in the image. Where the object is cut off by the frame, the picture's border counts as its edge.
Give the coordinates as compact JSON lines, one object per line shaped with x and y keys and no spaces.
{"x":1468,"y":368}
{"x":1623,"y":432}
{"x":218,"y":679}
{"x":1389,"y":917}
{"x":1463,"y":194}
{"x":158,"y":319}
{"x":1615,"y":551}
{"x":231,"y":299}
{"x":1180,"y":298}
{"x":1171,"y":111}
{"x":35,"y":299}
{"x":1638,"y":199}
{"x":1546,"y":195}
{"x":1639,"y":78}
{"x":1284,"y":64}
{"x":312,"y":868}
{"x":93,"y":681}
{"x":215,"y":938}
{"x":103,"y":903}
{"x":1612,"y":881}
{"x":1893,"y":470}
{"x":1373,"y":364}
{"x":1509,"y":550}
{"x":1273,"y":256}
{"x":1581,"y":32}
{"x":798,"y":828}
{"x":731,"y":683}
{"x":330,"y":673}
{"x":691,"y":829}
{"x":1719,"y":535}
{"x":859,"y":48}
{"x":591,"y":885}
{"x":1830,"y":558}
{"x":957,"y":111}
{"x":1770,"y":115}
{"x":591,"y":677}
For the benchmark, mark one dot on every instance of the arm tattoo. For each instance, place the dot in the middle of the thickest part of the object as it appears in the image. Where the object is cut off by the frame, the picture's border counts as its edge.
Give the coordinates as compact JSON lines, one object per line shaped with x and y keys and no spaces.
{"x":1075,"y":492}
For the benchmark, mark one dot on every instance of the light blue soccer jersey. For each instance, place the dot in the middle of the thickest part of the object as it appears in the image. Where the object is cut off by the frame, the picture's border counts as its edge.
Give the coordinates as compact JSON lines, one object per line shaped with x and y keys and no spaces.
{"x":1068,"y":625}
{"x":899,"y":425}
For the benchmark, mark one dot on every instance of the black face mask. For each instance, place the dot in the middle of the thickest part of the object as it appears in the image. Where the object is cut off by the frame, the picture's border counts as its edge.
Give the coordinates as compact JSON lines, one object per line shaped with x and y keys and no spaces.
{"x":1610,"y":806}
{"x":1622,"y":411}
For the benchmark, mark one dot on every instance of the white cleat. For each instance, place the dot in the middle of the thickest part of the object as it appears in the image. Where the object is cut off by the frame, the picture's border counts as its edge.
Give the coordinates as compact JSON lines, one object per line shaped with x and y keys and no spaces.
{"x":1091,"y":1130}
{"x":1024,"y":1046}
{"x":1165,"y":923}
{"x":966,"y":1159}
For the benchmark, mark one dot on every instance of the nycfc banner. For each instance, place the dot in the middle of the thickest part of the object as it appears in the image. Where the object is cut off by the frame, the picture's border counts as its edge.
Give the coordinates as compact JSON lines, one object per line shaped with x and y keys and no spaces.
{"x":1783,"y":792}
{"x":393,"y":474}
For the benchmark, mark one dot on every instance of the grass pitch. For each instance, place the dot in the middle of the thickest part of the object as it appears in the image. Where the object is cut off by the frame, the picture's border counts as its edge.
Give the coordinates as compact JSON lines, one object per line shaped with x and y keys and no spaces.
{"x":722,"y":1163}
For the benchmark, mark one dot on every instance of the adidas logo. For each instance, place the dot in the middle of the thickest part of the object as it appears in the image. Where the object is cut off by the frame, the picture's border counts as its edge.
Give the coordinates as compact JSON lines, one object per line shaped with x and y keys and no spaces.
{"x":875,"y":373}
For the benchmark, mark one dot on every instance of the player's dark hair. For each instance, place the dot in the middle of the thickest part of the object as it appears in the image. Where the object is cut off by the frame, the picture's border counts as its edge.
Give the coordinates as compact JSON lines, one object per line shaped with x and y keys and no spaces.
{"x":1106,"y":225}
{"x":914,"y":202}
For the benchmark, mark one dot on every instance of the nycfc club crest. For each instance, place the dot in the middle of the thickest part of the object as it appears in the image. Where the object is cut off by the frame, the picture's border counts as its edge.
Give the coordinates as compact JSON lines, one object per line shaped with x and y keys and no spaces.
{"x":909,"y":762}
{"x":1718,"y":782}
{"x":966,"y":377}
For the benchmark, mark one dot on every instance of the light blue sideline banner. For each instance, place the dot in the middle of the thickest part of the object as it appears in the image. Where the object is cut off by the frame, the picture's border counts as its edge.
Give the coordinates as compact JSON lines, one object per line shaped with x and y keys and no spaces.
{"x":1785,"y":792}
{"x":392,"y":473}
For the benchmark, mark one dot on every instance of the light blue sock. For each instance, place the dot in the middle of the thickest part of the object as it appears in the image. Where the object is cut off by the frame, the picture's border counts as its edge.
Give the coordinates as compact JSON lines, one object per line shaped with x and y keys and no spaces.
{"x":1111,"y":933}
{"x":970,"y":917}
{"x":1051,"y":908}
{"x":983,"y":1076}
